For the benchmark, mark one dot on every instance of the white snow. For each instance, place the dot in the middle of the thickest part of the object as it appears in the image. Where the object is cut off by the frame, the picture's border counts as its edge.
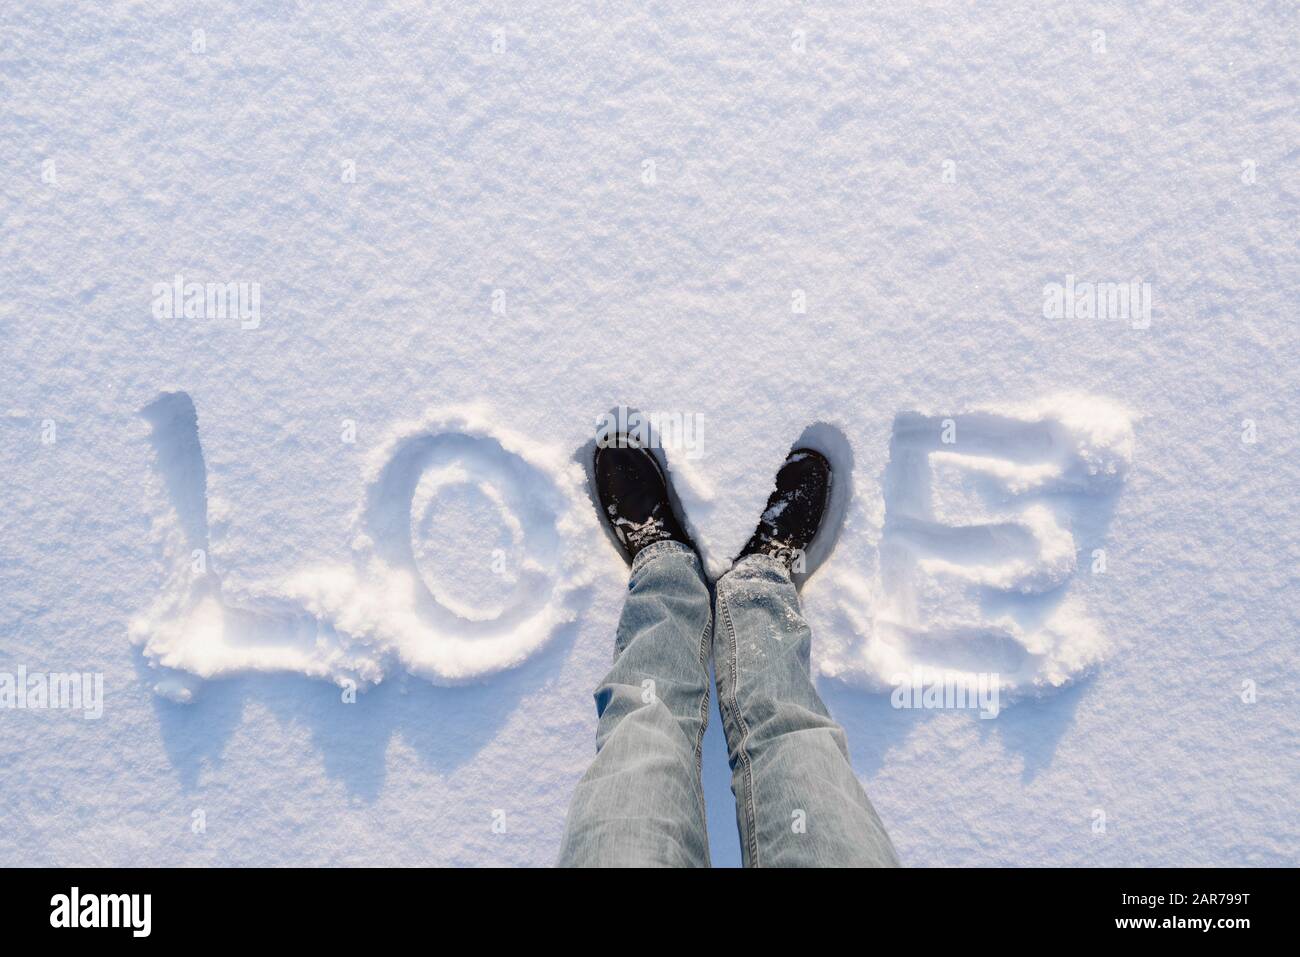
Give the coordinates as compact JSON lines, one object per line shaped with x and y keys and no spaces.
{"x":977,"y":553}
{"x":419,"y":589}
{"x":337,"y":562}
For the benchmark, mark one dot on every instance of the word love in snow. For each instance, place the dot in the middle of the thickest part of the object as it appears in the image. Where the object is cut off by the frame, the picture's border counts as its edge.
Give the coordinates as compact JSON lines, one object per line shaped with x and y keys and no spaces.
{"x":103,"y":910}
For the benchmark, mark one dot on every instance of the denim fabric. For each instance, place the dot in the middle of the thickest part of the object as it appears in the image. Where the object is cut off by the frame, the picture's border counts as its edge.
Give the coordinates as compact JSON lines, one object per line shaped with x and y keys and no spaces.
{"x":641,"y":804}
{"x":798,"y":802}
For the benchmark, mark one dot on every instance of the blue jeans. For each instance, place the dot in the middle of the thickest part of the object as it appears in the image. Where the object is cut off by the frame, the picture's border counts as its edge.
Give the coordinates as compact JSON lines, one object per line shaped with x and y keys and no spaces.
{"x":798,"y":802}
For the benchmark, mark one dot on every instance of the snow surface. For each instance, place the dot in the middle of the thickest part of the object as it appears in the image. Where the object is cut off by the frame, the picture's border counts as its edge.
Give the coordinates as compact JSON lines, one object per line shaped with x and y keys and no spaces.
{"x":478,"y":228}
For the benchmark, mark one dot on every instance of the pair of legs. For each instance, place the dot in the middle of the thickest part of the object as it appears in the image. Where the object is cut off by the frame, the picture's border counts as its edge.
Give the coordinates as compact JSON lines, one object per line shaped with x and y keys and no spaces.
{"x":641,"y":803}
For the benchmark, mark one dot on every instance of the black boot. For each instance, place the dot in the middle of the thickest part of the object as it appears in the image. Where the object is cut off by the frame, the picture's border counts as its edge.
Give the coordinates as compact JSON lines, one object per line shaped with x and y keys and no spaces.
{"x":794,"y":510}
{"x":634,"y":499}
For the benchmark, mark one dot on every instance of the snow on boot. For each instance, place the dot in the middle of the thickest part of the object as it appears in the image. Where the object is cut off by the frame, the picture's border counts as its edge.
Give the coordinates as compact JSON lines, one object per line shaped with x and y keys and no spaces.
{"x":794,"y":510}
{"x":634,"y":498}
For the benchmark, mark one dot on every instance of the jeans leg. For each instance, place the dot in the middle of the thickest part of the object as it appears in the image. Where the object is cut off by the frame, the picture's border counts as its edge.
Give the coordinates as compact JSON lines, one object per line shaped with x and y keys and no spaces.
{"x":798,"y":802}
{"x":641,"y":802}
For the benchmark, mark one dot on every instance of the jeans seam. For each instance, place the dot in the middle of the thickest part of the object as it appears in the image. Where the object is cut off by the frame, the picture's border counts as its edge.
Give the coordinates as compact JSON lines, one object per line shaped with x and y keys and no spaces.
{"x":747,"y":778}
{"x":759,"y":560}
{"x":704,"y":707}
{"x":704,"y":722}
{"x":655,"y":549}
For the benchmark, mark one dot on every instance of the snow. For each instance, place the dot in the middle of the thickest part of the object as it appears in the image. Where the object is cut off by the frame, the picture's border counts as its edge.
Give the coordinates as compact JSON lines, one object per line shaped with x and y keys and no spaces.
{"x":977,"y":553}
{"x":409,"y":596}
{"x":476,"y":229}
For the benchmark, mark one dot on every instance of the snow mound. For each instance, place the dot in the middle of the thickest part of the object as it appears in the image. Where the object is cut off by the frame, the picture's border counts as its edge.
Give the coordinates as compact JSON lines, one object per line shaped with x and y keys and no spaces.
{"x":986,"y":514}
{"x":469,"y":553}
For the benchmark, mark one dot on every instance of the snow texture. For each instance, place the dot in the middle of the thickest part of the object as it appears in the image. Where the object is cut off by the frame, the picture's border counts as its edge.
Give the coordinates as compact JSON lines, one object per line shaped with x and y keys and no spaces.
{"x":434,"y":489}
{"x":977,"y":553}
{"x":335,"y":554}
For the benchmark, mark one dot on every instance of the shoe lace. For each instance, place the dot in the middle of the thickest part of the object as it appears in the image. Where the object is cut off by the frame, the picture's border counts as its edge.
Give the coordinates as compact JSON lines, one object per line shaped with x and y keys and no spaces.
{"x":640,"y":534}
